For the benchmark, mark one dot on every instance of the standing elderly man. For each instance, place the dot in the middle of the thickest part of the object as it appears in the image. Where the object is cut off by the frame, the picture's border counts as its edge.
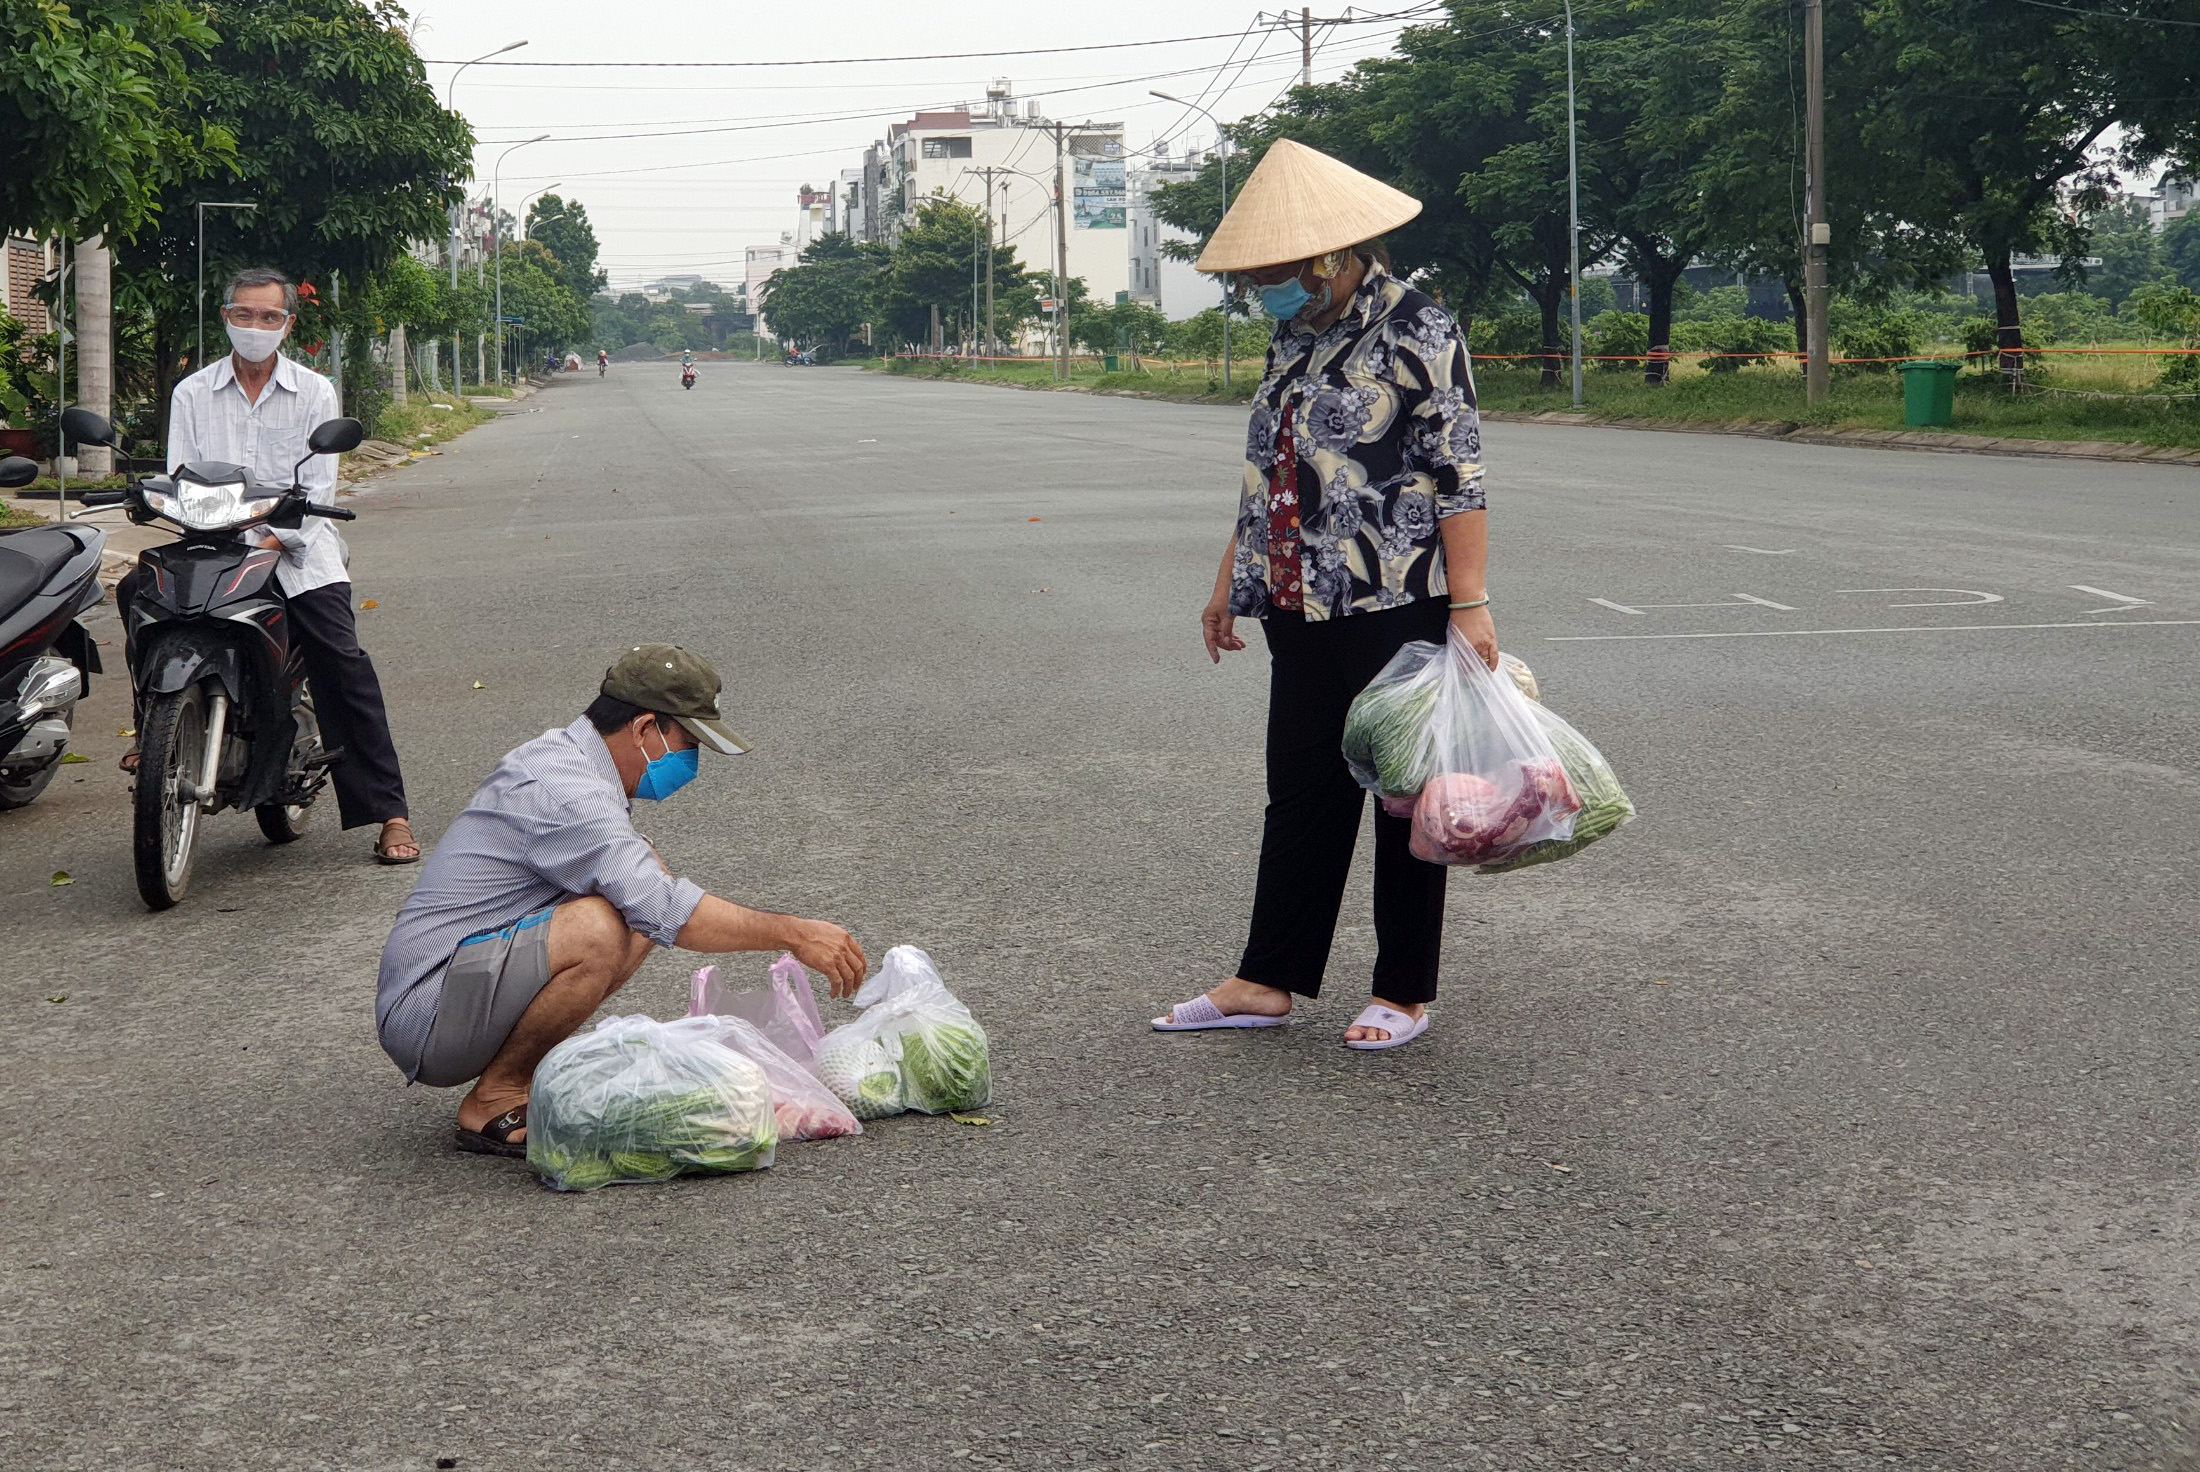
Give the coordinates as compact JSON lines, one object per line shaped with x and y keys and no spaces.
{"x":255,"y":408}
{"x":541,"y":899}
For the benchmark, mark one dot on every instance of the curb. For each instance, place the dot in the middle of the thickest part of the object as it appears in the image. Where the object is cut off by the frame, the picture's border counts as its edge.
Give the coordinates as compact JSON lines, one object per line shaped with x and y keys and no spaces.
{"x":1870,"y":439}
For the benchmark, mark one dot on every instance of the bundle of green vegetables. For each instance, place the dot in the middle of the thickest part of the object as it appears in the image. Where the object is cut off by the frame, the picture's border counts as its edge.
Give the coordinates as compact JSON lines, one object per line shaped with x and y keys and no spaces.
{"x":1386,"y":732}
{"x":637,"y":1100}
{"x":1604,"y":806}
{"x":916,"y":1046}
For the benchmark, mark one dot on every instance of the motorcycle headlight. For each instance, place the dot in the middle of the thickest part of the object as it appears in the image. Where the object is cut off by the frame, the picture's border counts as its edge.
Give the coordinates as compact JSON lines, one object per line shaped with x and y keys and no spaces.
{"x":210,"y":508}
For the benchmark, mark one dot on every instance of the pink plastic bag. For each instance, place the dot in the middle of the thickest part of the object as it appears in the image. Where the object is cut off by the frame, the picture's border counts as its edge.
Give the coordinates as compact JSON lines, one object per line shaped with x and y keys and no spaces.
{"x":804,"y":1107}
{"x":785,"y":1011}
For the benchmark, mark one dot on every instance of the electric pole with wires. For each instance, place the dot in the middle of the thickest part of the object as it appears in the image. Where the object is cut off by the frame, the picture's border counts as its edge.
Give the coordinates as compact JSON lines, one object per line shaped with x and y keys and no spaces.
{"x":1818,"y":230}
{"x":1061,"y":255}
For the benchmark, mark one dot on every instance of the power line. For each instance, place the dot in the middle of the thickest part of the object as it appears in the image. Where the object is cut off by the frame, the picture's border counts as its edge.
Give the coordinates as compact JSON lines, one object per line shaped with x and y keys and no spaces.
{"x":2137,"y":20}
{"x":869,"y":60}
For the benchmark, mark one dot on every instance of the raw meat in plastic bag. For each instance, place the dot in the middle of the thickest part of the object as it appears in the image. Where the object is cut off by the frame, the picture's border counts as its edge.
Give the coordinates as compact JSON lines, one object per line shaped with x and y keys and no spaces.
{"x":805,"y":1108}
{"x":637,"y":1100}
{"x":1604,"y":805}
{"x":915,"y":1046}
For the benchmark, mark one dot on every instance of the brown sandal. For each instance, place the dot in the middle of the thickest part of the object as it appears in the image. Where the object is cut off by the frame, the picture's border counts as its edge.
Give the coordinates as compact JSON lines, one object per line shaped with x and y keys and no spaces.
{"x":384,"y":844}
{"x":495,"y":1137}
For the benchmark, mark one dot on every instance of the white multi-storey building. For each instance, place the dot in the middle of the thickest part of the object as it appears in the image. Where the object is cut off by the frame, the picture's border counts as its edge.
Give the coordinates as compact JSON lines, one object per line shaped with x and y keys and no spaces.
{"x":1158,"y":279}
{"x":947,"y":154}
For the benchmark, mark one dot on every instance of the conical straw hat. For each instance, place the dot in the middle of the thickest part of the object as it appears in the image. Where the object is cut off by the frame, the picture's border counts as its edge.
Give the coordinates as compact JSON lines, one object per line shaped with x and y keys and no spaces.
{"x":1301,"y":203}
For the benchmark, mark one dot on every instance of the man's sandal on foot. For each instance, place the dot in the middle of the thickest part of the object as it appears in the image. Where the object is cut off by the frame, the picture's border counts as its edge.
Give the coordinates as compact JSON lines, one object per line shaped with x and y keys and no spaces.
{"x":385,"y":843}
{"x":1200,"y":1015}
{"x":495,"y":1137}
{"x":1402,"y":1027}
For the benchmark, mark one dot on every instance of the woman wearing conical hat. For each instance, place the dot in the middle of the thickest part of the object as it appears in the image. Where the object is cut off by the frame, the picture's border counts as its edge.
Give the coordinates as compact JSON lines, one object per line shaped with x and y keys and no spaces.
{"x":1360,"y":528}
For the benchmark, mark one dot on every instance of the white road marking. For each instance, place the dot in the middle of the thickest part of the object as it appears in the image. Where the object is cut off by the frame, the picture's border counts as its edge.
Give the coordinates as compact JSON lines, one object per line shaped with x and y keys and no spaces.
{"x":1970,"y":595}
{"x":2141,"y":623}
{"x":1760,"y":551}
{"x":2124,"y":601}
{"x":1742,"y":597}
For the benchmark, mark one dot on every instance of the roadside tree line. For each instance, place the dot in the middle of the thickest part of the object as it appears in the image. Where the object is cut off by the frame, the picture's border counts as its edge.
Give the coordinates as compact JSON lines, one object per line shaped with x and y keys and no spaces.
{"x":1962,"y":135}
{"x":117,"y":117}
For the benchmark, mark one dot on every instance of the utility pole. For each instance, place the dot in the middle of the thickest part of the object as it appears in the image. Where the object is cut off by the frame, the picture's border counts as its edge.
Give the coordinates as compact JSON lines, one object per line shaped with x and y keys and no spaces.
{"x":1573,"y":204}
{"x":1820,"y":236}
{"x":991,"y":348}
{"x":1306,"y":47}
{"x":1061,"y":256}
{"x":95,"y":346}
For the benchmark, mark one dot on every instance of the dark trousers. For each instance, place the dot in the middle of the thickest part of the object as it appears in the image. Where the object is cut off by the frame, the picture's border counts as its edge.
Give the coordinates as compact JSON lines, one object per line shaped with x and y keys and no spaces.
{"x":347,"y":700}
{"x":1314,"y":812}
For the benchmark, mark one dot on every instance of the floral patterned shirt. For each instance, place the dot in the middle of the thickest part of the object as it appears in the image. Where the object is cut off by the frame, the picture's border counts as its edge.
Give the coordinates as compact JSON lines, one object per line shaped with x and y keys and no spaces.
{"x":1388,"y":444}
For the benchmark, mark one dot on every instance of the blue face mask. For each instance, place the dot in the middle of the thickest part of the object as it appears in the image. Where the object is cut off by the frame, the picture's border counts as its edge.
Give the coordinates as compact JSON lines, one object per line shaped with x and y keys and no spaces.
{"x":1285,"y":301}
{"x":669,"y":773}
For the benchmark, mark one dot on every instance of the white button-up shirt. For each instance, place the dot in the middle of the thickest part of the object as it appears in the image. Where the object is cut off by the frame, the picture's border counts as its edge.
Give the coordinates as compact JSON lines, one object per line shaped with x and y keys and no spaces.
{"x":209,"y":419}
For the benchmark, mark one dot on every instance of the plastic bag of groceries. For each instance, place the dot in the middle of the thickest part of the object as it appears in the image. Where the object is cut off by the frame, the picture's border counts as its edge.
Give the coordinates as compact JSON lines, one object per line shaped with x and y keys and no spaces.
{"x":1604,"y":804}
{"x":805,"y":1108}
{"x":638,"y":1100}
{"x":1462,"y":743}
{"x":915,"y":1046}
{"x":785,"y":1010}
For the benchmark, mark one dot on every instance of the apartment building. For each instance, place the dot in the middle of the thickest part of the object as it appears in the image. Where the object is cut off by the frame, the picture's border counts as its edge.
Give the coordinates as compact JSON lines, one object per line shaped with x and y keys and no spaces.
{"x":947,"y":153}
{"x":1168,"y":285}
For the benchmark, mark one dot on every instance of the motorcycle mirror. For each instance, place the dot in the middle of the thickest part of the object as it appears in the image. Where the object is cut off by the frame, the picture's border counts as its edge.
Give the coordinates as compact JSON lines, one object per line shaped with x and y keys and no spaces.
{"x":16,"y":471}
{"x":86,"y":428}
{"x":336,"y":436}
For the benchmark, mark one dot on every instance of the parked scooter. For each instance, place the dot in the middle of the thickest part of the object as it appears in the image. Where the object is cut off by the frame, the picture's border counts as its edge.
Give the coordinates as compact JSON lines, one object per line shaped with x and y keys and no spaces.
{"x":48,"y":576}
{"x":224,"y":719}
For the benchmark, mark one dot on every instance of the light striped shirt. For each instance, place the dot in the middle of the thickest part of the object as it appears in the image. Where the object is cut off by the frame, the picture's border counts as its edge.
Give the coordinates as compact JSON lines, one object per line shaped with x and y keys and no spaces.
{"x":552,"y":823}
{"x":210,"y":419}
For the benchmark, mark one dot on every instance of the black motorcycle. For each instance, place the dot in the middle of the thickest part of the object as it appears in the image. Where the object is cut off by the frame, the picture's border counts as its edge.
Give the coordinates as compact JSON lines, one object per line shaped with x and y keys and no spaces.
{"x":224,"y":719}
{"x":48,"y":576}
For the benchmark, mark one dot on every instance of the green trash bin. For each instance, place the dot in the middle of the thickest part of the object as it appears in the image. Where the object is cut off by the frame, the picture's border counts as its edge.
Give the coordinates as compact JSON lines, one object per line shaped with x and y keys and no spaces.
{"x":1928,"y":394}
{"x":1112,"y":363}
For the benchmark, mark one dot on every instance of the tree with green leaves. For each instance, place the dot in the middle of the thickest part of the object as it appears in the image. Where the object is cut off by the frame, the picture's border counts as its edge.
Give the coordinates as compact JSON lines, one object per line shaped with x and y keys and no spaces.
{"x":826,"y":297}
{"x":97,"y":112}
{"x":561,"y":225}
{"x":930,"y":266}
{"x":340,"y":142}
{"x":551,"y":315}
{"x":2015,"y":122}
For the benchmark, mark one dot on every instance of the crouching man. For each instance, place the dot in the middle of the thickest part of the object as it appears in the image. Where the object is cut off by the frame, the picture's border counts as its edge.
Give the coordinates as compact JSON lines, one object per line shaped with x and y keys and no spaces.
{"x":541,"y":899}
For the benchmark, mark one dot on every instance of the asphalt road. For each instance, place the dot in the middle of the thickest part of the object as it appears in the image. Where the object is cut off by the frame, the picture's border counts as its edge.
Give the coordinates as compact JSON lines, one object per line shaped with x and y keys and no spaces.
{"x":1839,"y":1111}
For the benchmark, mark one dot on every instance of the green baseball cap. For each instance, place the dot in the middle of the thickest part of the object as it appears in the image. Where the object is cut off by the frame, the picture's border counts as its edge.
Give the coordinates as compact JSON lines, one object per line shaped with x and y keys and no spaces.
{"x":667,"y":679}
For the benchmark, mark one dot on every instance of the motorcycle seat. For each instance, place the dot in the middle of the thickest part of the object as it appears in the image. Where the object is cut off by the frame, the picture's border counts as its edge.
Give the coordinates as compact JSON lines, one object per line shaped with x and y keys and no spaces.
{"x":28,"y":559}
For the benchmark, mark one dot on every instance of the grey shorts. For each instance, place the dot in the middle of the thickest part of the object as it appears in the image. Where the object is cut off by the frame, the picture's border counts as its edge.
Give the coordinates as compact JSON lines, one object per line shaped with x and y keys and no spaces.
{"x":476,"y":999}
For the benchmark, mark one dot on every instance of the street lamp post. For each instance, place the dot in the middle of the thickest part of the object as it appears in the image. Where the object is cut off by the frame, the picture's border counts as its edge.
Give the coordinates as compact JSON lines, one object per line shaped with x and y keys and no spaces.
{"x":449,"y":88}
{"x":522,"y":212}
{"x":496,"y":211}
{"x":1222,"y":141}
{"x":202,"y":206}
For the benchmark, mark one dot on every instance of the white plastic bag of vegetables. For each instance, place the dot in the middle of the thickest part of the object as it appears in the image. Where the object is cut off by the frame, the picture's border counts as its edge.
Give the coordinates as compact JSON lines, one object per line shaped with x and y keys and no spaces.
{"x":1441,"y":736}
{"x":915,"y":1046}
{"x":638,"y":1100}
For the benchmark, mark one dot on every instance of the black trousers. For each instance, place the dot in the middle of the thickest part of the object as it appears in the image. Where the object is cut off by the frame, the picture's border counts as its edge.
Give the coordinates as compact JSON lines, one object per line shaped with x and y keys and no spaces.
{"x":347,"y":700}
{"x":1314,"y":812}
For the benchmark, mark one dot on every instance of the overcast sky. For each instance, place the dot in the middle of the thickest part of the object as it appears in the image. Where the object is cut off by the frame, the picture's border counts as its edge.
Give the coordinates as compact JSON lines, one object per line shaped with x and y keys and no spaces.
{"x":774,"y":129}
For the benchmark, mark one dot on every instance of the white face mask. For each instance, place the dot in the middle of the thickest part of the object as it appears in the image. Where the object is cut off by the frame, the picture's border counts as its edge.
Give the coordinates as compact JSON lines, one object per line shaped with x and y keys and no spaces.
{"x":255,"y":344}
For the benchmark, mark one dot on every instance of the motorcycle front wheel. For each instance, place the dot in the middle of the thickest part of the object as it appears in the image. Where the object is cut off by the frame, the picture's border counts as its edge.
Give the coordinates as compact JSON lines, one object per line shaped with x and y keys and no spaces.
{"x":171,"y":756}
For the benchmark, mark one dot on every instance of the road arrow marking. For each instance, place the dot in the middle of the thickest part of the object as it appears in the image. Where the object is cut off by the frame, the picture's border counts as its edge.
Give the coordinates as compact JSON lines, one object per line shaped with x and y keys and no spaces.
{"x":2124,"y":601}
{"x":1760,"y":551}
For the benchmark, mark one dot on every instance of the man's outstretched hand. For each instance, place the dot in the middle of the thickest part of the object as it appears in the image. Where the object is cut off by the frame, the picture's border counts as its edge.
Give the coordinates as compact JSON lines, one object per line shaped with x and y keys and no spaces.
{"x":824,"y":946}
